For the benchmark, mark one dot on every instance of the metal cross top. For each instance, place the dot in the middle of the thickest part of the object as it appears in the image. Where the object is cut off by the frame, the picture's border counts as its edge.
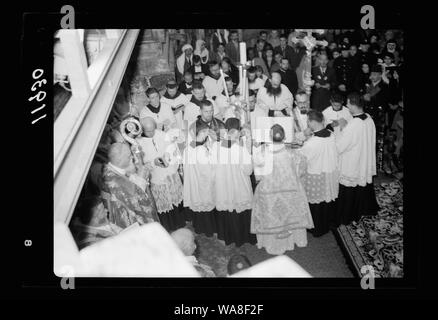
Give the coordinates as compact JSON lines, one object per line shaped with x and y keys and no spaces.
{"x":305,"y":37}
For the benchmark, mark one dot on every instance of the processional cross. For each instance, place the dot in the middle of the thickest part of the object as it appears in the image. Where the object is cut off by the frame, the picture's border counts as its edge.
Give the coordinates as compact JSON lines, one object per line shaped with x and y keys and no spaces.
{"x":305,"y":37}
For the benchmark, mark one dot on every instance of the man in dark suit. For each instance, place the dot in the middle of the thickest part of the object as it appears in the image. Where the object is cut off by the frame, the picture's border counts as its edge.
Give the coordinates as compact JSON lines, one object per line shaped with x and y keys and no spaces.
{"x":259,"y":48}
{"x":232,"y":48}
{"x":343,"y":67}
{"x":285,"y":50}
{"x":377,"y":96}
{"x":325,"y":82}
{"x":296,"y":55}
{"x":288,"y":77}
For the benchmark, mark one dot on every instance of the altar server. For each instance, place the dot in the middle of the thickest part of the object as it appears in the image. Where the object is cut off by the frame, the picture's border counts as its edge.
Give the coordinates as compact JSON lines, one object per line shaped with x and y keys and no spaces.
{"x":233,"y":187}
{"x":335,"y":112}
{"x":322,"y":178}
{"x":177,"y":101}
{"x":356,"y":147}
{"x":161,"y":112}
{"x":161,"y":153}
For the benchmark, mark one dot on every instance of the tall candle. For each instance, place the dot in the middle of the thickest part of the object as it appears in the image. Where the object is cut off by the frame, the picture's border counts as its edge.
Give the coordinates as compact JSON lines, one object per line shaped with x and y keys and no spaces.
{"x":224,"y":83}
{"x":246,"y":90}
{"x":242,"y":46}
{"x":244,"y":85}
{"x":241,"y":80}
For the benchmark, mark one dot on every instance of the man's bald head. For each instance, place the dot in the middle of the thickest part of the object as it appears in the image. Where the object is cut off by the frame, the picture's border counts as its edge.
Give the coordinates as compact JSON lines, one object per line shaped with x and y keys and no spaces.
{"x":149,"y":125}
{"x":185,"y":239}
{"x":119,"y":154}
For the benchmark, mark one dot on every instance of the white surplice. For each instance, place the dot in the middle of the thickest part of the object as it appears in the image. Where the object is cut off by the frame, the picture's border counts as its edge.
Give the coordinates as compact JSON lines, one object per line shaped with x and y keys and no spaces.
{"x":192,"y":111}
{"x":173,"y":102}
{"x":199,"y":177}
{"x":356,"y":147}
{"x":232,"y":183}
{"x":330,"y":115}
{"x":266,"y":102}
{"x":322,"y":179}
{"x":166,"y":185}
{"x":213,"y":87}
{"x":164,"y":116}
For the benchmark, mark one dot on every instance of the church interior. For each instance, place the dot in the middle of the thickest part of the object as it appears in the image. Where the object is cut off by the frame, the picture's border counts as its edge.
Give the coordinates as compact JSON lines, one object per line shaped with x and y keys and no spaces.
{"x":103,"y":78}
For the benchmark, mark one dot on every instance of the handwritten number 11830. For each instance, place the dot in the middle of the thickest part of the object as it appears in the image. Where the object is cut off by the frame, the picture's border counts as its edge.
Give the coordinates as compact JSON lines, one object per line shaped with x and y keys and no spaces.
{"x":40,"y":95}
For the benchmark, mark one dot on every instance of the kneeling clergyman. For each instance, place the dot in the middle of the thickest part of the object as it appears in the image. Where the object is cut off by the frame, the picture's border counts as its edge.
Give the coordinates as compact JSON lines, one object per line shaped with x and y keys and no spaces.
{"x":356,"y":147}
{"x":280,"y":214}
{"x":162,"y":154}
{"x":322,"y":178}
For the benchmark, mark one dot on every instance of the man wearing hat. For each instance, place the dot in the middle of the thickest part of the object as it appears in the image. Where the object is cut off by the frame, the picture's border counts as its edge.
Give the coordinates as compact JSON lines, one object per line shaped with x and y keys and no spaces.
{"x":184,"y":61}
{"x":176,"y":100}
{"x":377,"y":94}
{"x":343,"y":68}
{"x":364,"y":55}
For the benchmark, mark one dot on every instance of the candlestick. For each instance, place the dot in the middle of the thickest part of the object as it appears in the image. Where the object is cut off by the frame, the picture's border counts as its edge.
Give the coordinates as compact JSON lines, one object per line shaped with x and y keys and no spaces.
{"x":242,"y":46}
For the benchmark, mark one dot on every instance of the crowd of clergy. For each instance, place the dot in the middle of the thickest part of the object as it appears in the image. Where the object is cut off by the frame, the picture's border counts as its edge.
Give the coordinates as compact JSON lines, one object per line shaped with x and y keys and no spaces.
{"x":201,"y":164}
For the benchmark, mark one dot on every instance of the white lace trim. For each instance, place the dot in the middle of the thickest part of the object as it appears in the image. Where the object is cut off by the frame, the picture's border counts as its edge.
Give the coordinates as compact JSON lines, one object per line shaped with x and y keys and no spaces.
{"x":276,"y":246}
{"x":239,"y":207}
{"x":323,"y":187}
{"x":355,"y":181}
{"x":168,"y":194}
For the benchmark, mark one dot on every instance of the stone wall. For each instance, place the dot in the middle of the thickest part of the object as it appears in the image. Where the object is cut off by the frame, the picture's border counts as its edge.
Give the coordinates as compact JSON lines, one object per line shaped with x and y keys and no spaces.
{"x":149,"y":65}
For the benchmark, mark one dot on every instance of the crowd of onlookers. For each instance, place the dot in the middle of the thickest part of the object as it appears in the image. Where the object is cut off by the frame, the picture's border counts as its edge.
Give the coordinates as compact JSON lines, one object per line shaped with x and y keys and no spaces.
{"x":369,"y":62}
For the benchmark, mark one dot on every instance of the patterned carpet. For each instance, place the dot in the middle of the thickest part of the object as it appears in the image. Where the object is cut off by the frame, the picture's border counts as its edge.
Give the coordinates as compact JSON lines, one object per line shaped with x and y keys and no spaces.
{"x":378,"y":241}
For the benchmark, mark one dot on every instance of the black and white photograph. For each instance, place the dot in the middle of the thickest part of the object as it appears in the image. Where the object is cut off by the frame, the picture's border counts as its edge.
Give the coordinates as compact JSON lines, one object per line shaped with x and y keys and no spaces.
{"x":251,"y":158}
{"x":228,"y":152}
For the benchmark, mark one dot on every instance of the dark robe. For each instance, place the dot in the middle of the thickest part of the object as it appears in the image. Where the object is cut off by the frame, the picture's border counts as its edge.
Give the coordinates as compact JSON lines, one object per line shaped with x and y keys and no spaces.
{"x":290,"y":80}
{"x":215,"y":124}
{"x":185,"y":88}
{"x":320,"y":98}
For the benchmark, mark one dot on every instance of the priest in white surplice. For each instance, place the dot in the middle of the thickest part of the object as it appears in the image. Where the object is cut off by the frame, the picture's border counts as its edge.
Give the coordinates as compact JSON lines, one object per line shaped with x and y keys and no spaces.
{"x":199,"y":170}
{"x":335,"y":112}
{"x":224,"y":103}
{"x":322,"y":179}
{"x":161,"y":153}
{"x":213,"y":83}
{"x":161,"y":112}
{"x":233,"y":186}
{"x":275,"y":98}
{"x":176,"y":100}
{"x":356,"y":147}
